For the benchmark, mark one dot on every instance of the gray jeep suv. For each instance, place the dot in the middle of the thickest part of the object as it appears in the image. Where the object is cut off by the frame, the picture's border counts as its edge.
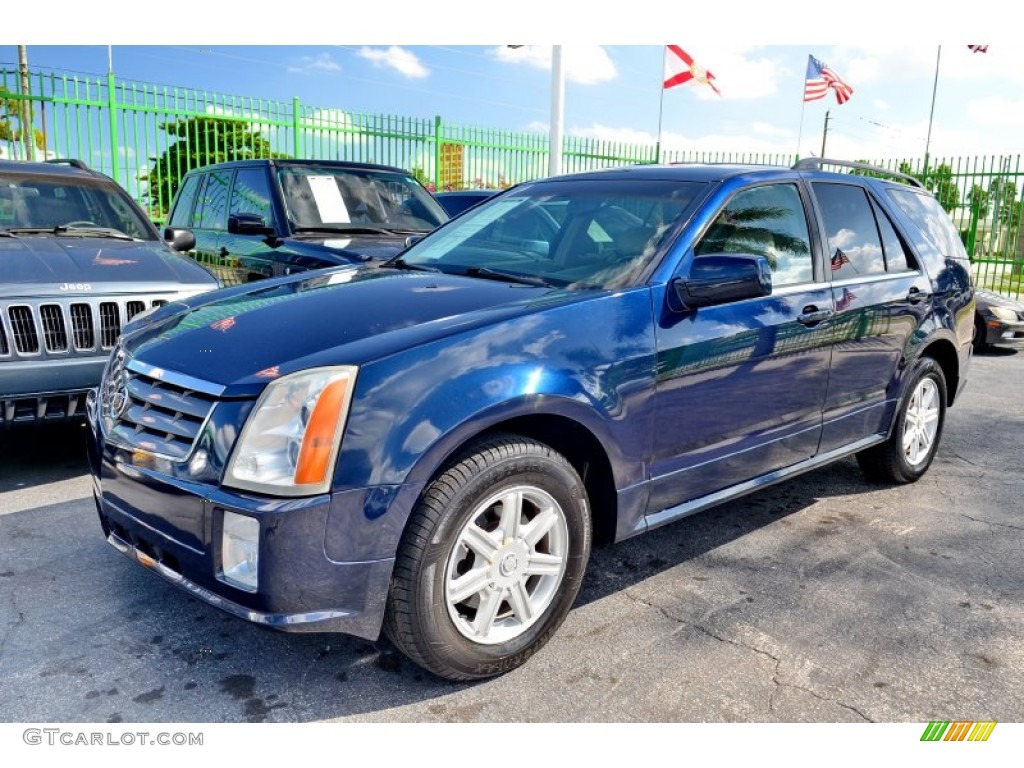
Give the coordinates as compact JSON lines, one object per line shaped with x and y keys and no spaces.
{"x":78,"y":260}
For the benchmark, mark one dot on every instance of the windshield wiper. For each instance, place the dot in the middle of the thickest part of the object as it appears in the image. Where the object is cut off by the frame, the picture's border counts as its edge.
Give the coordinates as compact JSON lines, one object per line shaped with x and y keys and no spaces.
{"x":403,"y":264}
{"x":359,"y":229}
{"x":493,"y":274}
{"x":72,"y":231}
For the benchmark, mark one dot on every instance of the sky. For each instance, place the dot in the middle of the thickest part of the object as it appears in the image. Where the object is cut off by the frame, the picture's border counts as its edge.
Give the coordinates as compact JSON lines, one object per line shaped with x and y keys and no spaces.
{"x":420,"y":64}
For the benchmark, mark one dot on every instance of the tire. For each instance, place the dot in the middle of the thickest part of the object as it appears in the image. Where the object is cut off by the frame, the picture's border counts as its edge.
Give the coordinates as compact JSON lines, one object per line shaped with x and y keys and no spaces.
{"x":909,"y":451}
{"x":467,"y":602}
{"x":980,"y":334}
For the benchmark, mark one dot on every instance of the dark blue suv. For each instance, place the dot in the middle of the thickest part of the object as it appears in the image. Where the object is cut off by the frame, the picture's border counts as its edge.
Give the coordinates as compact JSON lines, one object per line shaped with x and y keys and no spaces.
{"x":430,"y":445}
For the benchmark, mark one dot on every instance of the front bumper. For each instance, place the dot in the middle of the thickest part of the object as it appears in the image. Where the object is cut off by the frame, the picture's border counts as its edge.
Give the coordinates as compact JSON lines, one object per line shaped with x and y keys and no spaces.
{"x":1003,"y":333}
{"x":173,"y":527}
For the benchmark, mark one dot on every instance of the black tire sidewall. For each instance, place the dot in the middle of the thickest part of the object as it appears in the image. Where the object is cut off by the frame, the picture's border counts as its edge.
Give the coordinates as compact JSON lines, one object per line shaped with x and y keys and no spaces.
{"x":443,"y":640}
{"x":925,"y":368}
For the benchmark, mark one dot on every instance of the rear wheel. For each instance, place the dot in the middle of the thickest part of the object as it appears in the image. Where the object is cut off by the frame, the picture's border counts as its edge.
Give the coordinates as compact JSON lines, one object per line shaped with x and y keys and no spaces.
{"x":909,"y":451}
{"x":491,"y":561}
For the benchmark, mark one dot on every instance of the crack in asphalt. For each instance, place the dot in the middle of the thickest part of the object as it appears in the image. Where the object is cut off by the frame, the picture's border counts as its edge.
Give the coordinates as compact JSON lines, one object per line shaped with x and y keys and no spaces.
{"x":990,"y":522}
{"x":778,"y":660}
{"x":13,"y":628}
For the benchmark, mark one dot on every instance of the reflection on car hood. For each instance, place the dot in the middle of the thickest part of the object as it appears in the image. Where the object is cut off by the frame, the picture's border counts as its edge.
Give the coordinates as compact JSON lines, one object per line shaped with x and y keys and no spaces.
{"x":35,"y":265}
{"x":243,"y":337}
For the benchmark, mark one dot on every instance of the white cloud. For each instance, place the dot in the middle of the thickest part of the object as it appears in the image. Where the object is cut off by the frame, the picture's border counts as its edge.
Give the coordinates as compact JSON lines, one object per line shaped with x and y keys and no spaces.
{"x":996,"y":110}
{"x":767,"y":129}
{"x":584,"y":64}
{"x":741,"y":72}
{"x":880,"y":105}
{"x":399,"y":59}
{"x":537,"y":126}
{"x":322,"y":62}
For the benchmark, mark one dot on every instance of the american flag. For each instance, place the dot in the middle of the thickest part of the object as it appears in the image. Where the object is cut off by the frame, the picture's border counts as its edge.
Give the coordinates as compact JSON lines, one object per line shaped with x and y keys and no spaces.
{"x":978,"y":48}
{"x":845,"y":300}
{"x":680,"y":68}
{"x":821,"y":77}
{"x":838,"y":260}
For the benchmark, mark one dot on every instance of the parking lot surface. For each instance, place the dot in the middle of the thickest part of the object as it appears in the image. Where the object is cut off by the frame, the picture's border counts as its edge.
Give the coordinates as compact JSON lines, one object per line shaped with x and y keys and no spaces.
{"x":823,"y":599}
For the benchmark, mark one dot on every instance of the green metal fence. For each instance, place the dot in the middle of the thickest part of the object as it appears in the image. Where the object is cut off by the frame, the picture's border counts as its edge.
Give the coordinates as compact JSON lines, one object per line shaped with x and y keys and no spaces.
{"x":148,"y":136}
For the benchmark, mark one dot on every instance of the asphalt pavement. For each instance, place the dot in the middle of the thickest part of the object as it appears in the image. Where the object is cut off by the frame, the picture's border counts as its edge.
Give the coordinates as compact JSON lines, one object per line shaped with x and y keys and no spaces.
{"x":825,"y":599}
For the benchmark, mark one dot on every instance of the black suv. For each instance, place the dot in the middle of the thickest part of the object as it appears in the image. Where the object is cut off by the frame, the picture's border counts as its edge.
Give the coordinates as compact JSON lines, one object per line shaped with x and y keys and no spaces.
{"x":78,"y":259}
{"x":266,"y":218}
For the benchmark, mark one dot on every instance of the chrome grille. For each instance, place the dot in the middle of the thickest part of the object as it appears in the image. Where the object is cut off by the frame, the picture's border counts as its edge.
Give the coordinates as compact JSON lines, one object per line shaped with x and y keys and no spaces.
{"x":132,"y":308}
{"x":62,"y":327}
{"x":82,"y":326}
{"x":23,"y":326}
{"x":157,"y":417}
{"x":55,"y":334}
{"x":110,"y":324}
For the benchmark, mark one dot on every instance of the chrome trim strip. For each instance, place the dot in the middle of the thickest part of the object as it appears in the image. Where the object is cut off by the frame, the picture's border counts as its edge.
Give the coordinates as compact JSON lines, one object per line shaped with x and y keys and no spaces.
{"x":182,"y":380}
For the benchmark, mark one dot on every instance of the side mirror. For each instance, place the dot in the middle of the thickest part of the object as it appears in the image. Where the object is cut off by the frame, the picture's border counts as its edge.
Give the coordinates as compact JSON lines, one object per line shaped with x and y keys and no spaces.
{"x":720,"y":278}
{"x":248,"y":224}
{"x":179,"y":239}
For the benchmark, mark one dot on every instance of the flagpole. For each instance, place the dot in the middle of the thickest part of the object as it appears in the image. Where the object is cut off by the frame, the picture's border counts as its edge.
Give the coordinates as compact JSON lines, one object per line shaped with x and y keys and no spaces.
{"x":661,"y":108}
{"x":931,"y":115}
{"x":803,"y":108}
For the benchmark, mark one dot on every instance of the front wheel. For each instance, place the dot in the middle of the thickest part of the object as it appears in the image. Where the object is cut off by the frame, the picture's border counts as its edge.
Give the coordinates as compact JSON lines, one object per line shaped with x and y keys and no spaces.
{"x":491,"y":561}
{"x":909,"y":451}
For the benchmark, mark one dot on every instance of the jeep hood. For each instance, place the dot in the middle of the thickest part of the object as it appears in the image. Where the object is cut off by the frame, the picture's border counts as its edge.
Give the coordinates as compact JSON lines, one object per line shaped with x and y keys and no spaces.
{"x":58,"y":265}
{"x":240,"y":338}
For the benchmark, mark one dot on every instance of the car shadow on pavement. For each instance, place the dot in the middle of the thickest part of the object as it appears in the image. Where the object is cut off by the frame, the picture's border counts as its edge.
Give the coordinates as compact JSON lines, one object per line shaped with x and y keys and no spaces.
{"x":31,"y":456}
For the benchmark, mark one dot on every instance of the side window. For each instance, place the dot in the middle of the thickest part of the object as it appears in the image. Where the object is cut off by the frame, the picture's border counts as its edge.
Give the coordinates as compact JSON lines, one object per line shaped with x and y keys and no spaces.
{"x":926,"y":213}
{"x":767,"y":221}
{"x":212,"y":207}
{"x":896,"y":257}
{"x":854,"y":246}
{"x":181,"y":216}
{"x":251,"y":194}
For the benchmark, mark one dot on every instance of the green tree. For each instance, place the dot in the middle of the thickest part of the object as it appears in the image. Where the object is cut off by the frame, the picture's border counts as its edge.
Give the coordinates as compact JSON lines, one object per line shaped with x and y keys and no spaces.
{"x":11,"y":108}
{"x":978,"y":198}
{"x":938,"y":181}
{"x":1004,"y":197}
{"x":200,"y":141}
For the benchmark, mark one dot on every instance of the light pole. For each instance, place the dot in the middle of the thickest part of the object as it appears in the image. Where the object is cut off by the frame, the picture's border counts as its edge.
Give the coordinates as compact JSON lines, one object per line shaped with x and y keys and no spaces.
{"x":27,"y":134}
{"x":557,"y":111}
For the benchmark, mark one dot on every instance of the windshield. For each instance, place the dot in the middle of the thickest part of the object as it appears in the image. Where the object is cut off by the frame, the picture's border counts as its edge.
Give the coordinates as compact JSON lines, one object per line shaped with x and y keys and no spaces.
{"x":575,"y":233}
{"x":318,"y":198}
{"x":29,"y":202}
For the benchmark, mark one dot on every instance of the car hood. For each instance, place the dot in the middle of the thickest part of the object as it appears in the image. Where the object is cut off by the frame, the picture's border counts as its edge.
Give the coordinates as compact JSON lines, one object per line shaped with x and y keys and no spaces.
{"x":56,"y":265}
{"x":989,"y":299}
{"x":354,"y":248}
{"x":242,"y":337}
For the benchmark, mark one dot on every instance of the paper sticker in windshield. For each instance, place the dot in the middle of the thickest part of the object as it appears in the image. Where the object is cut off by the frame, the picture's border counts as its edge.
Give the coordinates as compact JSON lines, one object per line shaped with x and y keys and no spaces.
{"x":329,"y":203}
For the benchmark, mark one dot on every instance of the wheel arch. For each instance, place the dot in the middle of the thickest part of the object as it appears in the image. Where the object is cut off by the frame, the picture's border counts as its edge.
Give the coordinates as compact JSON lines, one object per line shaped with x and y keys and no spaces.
{"x":569,"y":436}
{"x":943,"y":352}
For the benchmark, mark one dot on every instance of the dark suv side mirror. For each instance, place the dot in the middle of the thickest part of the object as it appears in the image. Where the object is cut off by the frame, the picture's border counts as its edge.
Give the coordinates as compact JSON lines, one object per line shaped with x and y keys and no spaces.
{"x":179,"y":239}
{"x":248,"y":224}
{"x":719,"y":278}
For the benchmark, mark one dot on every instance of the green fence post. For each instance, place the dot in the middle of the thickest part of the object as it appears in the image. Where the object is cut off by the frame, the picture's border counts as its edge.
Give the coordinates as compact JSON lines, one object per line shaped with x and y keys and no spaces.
{"x":437,"y":153}
{"x":296,"y":126}
{"x":115,"y":165}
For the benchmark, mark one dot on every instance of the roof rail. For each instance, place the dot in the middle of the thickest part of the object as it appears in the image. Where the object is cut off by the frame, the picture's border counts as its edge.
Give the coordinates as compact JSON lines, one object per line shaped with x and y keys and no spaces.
{"x":69,"y":161}
{"x":815,"y":163}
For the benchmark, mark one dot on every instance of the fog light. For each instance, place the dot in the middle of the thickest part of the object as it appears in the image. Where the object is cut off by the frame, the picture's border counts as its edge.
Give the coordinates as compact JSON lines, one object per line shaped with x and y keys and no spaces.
{"x":240,"y":551}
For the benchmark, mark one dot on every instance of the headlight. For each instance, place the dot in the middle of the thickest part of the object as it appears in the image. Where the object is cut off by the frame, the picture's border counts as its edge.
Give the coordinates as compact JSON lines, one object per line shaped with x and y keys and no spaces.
{"x":290,"y":442}
{"x":240,"y":550}
{"x":1003,"y":313}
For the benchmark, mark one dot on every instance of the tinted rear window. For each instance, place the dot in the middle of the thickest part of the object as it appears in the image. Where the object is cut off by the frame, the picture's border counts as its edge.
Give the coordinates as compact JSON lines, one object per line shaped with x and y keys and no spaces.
{"x":934,"y":223}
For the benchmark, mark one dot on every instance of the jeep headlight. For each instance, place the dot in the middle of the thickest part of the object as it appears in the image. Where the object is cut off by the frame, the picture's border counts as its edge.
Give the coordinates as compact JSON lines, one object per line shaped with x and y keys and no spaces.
{"x":290,"y":442}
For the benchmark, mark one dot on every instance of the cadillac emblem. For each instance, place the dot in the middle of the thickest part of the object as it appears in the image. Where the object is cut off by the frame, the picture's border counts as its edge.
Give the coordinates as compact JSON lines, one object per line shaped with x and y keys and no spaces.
{"x":115,"y":393}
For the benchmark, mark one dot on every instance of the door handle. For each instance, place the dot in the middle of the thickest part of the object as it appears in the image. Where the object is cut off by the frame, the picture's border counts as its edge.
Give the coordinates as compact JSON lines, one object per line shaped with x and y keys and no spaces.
{"x":916,"y":295}
{"x":812,"y":315}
